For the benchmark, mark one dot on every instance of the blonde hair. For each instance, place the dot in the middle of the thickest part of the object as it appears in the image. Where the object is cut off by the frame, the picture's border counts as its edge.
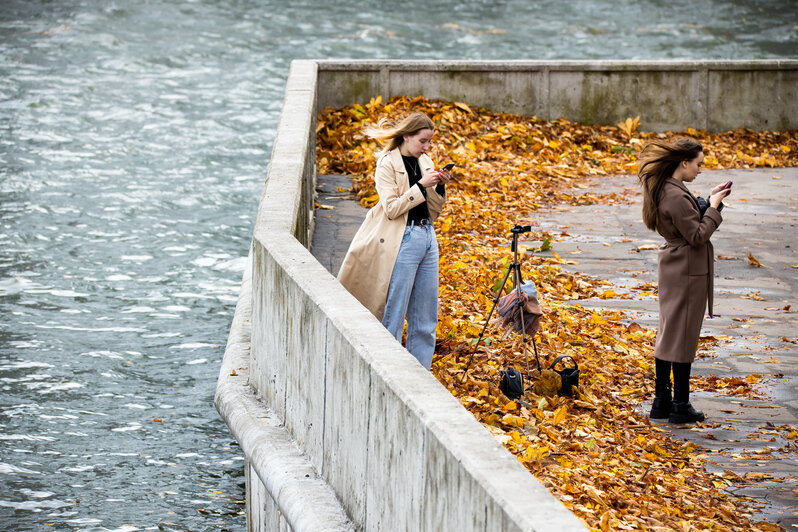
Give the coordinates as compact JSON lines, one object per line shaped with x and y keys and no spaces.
{"x":657,"y":162}
{"x":394,"y":135}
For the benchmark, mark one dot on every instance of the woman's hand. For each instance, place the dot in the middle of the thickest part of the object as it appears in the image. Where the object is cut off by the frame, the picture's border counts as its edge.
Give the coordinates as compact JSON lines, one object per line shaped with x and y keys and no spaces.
{"x":430,"y":179}
{"x":717,"y":195}
{"x":444,"y":176}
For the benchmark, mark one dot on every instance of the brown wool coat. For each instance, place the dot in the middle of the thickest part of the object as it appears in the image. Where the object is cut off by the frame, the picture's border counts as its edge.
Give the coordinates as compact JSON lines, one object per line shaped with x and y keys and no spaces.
{"x":685,"y":271}
{"x":367,"y":267}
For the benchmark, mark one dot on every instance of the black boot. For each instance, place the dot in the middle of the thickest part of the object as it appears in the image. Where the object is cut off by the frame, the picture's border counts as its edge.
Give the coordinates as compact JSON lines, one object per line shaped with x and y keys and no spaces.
{"x":681,"y":409}
{"x":661,"y":407}
{"x":685,"y":413}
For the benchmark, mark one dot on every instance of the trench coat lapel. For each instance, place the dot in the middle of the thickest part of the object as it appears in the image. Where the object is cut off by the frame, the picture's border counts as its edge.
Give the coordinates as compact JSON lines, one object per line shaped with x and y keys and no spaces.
{"x":399,"y":169}
{"x":684,"y":187}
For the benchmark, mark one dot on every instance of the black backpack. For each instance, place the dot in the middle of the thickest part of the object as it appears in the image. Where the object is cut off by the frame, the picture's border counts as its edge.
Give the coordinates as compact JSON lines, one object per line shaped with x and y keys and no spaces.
{"x":511,"y":383}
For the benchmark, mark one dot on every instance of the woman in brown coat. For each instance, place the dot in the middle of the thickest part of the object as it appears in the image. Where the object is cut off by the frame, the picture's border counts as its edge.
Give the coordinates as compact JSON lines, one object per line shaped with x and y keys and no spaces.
{"x":685,"y":266}
{"x":391,"y":266}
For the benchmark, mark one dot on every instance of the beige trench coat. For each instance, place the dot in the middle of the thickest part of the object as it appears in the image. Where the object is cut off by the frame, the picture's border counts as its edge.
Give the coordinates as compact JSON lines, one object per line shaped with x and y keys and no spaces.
{"x":367,"y":267}
{"x":685,"y":271}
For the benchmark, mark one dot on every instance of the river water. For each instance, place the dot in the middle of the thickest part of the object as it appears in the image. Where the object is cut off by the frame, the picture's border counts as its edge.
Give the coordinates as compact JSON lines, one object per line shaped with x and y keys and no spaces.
{"x":134,"y":140}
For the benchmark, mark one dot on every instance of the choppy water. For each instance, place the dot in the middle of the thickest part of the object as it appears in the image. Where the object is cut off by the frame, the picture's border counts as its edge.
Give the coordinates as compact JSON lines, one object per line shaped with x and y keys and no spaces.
{"x":134,"y":139}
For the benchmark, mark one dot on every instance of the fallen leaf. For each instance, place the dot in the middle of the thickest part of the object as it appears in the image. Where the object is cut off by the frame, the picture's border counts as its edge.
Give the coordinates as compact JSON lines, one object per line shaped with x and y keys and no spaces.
{"x":634,"y":328}
{"x":594,"y":448}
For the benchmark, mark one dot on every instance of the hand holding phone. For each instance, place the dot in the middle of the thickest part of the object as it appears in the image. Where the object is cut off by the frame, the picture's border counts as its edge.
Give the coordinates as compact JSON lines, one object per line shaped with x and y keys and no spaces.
{"x":727,"y":185}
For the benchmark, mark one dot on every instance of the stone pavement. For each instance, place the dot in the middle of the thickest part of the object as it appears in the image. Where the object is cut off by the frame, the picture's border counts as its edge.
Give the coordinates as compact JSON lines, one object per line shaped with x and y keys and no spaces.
{"x":757,"y":337}
{"x":334,"y":228}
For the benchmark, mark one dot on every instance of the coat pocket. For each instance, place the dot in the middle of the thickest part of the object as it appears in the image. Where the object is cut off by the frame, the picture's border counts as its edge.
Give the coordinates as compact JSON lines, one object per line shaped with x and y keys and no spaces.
{"x":697,"y":260}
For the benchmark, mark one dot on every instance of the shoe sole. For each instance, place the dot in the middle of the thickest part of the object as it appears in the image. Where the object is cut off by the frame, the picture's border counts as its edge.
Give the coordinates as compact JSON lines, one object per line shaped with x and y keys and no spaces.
{"x":685,"y":420}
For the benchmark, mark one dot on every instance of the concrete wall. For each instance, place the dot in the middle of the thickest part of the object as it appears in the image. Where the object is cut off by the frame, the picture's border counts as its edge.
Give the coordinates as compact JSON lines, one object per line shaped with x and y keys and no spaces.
{"x":712,"y":95}
{"x":340,"y":427}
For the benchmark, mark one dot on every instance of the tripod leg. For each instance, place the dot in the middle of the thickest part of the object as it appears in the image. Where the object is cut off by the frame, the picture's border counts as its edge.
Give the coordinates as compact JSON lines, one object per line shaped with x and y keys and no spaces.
{"x":520,"y":299}
{"x":487,"y":321}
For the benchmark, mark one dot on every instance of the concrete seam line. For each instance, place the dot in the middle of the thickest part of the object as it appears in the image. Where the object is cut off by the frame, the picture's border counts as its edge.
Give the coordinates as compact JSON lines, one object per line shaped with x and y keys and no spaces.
{"x":258,"y":429}
{"x":324,"y":406}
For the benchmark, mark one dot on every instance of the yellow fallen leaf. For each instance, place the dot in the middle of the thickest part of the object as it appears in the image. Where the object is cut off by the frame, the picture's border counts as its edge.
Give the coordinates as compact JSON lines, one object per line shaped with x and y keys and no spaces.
{"x":370,"y":201}
{"x":559,"y":415}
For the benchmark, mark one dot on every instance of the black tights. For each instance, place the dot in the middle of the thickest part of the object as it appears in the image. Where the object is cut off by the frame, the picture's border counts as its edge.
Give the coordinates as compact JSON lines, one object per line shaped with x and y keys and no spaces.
{"x":681,"y":378}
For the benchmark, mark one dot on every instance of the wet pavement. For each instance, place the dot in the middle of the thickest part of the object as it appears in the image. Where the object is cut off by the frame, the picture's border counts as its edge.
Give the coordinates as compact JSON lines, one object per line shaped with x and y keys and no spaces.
{"x":757,"y":312}
{"x":756,"y":335}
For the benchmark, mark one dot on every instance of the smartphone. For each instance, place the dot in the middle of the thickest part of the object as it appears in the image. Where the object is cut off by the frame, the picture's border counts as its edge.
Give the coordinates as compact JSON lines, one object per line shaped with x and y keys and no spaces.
{"x":448,"y":166}
{"x":727,"y":185}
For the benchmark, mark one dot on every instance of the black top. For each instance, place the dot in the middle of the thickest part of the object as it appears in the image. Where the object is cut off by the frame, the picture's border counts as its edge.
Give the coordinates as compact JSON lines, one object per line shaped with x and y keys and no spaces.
{"x":419,"y":212}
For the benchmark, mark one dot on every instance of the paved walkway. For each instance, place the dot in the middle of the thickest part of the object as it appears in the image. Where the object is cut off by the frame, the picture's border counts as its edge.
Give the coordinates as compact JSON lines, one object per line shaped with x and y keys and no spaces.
{"x":606,"y":241}
{"x":334,"y":228}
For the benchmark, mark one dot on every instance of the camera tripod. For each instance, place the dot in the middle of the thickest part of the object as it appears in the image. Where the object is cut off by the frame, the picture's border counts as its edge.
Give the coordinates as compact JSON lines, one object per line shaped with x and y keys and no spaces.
{"x":515,"y":270}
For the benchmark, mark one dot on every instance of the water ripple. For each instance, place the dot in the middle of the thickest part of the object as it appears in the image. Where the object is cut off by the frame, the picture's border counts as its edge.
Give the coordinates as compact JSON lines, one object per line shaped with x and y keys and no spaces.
{"x":134,"y":140}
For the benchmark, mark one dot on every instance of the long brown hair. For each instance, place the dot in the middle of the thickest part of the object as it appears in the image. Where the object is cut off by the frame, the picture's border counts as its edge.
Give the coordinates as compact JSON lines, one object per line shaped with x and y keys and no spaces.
{"x":411,"y":125}
{"x":656,"y":163}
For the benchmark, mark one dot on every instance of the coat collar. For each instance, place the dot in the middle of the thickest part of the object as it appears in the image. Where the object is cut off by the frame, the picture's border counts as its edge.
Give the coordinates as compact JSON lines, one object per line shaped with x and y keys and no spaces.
{"x":396,"y":159}
{"x":682,"y":186}
{"x":425,"y":163}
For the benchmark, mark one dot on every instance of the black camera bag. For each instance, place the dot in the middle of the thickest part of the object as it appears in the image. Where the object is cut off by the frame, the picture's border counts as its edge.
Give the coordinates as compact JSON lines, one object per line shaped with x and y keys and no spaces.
{"x":569,"y":376}
{"x":511,"y":383}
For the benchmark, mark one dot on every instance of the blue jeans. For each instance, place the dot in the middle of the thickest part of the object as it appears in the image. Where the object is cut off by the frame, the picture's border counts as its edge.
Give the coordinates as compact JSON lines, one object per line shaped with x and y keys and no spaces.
{"x":413,"y":292}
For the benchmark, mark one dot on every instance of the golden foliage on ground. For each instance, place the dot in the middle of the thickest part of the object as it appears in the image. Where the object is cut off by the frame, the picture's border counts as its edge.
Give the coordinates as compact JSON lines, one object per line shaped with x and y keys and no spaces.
{"x":596,"y":451}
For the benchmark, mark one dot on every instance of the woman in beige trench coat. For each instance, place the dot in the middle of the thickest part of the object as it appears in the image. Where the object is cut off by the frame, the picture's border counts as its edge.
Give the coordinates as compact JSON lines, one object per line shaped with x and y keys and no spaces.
{"x":685,"y":266}
{"x":391,"y":266}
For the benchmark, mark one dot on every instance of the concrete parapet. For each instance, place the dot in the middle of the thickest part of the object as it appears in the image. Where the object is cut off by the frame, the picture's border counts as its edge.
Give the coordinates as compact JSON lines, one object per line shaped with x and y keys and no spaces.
{"x":284,"y":490}
{"x":338,"y":422}
{"x":711,"y":95}
{"x":340,"y":427}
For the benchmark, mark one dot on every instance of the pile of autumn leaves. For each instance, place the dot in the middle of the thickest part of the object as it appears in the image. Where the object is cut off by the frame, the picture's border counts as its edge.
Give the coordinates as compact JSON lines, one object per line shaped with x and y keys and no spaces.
{"x":595,"y":451}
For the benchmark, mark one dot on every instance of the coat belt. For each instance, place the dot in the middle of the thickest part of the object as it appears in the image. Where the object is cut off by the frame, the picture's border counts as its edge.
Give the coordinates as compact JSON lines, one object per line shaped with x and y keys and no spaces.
{"x":678,"y":242}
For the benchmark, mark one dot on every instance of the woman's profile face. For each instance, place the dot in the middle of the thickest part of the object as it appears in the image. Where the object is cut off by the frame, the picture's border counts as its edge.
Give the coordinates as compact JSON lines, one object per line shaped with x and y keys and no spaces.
{"x":418,"y":143}
{"x":690,"y":169}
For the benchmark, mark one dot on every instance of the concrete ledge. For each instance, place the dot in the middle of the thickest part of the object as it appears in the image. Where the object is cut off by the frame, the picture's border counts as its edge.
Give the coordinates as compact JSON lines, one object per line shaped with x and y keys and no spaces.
{"x":711,"y":95}
{"x":304,"y":500}
{"x":384,"y":433}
